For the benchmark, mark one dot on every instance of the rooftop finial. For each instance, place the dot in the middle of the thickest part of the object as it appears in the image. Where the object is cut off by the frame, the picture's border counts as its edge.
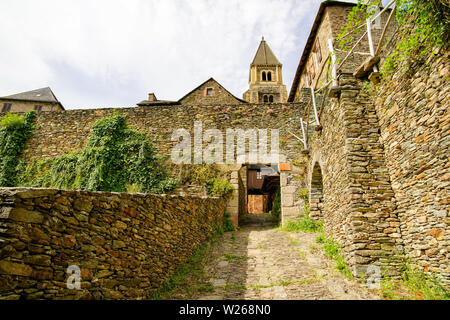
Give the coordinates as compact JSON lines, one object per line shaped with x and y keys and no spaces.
{"x":262,"y":38}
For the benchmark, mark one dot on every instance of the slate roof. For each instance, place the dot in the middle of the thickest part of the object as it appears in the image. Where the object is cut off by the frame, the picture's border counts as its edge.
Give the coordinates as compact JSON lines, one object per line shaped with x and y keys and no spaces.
{"x":264,"y":55}
{"x":157,"y":103}
{"x":42,"y":95}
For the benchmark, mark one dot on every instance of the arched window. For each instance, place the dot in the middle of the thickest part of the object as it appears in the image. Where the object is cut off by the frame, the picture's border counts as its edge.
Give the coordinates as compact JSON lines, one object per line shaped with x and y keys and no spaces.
{"x":270,"y":98}
{"x":263,"y":76}
{"x":266,"y":99}
{"x":269,"y":76}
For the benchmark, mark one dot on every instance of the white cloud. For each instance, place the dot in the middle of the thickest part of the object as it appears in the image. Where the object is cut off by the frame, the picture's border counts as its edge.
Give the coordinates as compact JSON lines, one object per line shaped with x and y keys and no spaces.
{"x":112,"y":53}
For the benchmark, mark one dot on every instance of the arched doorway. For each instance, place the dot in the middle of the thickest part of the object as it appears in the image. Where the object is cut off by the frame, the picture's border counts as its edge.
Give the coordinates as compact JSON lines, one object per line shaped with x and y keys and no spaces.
{"x":316,"y":192}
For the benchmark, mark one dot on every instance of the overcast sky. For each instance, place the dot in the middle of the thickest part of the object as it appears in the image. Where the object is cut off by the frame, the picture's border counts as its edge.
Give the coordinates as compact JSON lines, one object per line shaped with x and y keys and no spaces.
{"x":112,"y":53}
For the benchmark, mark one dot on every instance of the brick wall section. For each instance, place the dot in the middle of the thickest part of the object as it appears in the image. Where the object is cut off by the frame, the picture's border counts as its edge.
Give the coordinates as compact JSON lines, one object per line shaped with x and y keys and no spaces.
{"x":125,"y":244}
{"x":414,"y":118}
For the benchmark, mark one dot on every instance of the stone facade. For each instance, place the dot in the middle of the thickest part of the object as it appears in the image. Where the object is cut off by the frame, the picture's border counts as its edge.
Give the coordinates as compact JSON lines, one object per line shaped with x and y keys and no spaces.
{"x":126,"y":245}
{"x":24,"y":106}
{"x":314,"y":69}
{"x":209,"y":92}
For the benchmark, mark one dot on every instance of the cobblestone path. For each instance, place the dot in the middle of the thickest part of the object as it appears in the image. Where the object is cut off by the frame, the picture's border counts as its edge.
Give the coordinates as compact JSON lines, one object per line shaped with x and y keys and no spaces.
{"x":268,"y":263}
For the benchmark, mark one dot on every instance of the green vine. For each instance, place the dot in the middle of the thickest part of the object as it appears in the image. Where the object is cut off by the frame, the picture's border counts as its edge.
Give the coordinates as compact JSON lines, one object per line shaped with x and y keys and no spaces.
{"x":355,"y":19}
{"x":425,"y":26}
{"x":14,"y":132}
{"x":116,"y":158}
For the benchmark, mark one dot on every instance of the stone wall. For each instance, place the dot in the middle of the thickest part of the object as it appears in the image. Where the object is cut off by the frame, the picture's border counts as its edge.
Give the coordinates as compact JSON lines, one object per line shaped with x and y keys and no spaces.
{"x":383,"y":158}
{"x":358,"y":201}
{"x":126,"y":245}
{"x":62,"y":132}
{"x":59,"y":133}
{"x":414,"y":114}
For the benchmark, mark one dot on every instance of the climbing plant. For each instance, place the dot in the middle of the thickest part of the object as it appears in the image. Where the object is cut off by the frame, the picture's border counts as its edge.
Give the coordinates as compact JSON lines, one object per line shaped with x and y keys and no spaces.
{"x":276,"y":206}
{"x":114,"y":159}
{"x":424,"y":24}
{"x":14,"y":132}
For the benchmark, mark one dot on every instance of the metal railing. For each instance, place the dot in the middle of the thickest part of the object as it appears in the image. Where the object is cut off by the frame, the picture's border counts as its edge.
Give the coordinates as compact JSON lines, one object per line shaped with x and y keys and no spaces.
{"x":335,"y":67}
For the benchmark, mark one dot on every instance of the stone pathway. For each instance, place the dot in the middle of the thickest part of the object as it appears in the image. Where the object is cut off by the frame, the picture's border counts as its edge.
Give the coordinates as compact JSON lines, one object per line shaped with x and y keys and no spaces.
{"x":260,"y":262}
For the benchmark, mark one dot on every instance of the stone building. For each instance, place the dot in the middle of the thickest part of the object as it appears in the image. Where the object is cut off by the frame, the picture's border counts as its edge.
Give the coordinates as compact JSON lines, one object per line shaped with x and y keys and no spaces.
{"x":40,"y":100}
{"x":314,"y":68}
{"x":209,"y":92}
{"x":265,"y":78}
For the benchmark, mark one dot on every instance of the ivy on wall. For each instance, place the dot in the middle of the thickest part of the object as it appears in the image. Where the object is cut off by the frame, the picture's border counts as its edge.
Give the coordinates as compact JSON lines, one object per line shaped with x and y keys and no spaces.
{"x":14,"y":132}
{"x":116,"y":158}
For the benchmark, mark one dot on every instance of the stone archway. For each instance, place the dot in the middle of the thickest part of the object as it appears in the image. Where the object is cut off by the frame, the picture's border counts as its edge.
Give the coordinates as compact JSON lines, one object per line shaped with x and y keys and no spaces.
{"x":316,"y":192}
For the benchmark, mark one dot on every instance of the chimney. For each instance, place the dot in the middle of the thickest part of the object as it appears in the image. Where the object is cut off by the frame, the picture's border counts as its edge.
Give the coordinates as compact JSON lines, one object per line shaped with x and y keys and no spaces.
{"x":152,"y":97}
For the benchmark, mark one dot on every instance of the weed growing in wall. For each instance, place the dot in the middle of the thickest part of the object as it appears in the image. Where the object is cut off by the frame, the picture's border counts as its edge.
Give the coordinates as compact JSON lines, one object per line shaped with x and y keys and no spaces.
{"x":14,"y":132}
{"x":227,"y":224}
{"x":114,"y":159}
{"x":207,"y":175}
{"x":334,"y":251}
{"x":276,"y":206}
{"x":303,"y":223}
{"x":414,"y":284}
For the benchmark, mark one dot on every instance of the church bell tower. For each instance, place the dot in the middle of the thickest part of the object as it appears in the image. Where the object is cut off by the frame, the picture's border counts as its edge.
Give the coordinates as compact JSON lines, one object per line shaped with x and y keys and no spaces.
{"x":265,"y":79}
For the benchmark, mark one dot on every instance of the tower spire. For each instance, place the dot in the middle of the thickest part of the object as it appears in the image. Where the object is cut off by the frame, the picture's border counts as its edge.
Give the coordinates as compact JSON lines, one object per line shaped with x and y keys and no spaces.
{"x":265,"y":78}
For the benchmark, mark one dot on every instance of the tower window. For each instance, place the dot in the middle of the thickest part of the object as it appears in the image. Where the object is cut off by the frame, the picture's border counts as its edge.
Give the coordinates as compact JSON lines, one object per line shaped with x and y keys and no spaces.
{"x":6,"y":107}
{"x":264,"y":76}
{"x":269,"y":76}
{"x":266,"y":98}
{"x":270,"y":98}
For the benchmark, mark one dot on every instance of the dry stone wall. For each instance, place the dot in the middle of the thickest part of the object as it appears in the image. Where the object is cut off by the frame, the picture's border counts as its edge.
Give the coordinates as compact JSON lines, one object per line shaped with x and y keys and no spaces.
{"x":358,"y":201}
{"x":414,"y":114}
{"x":59,"y":133}
{"x":62,"y":132}
{"x":126,"y":245}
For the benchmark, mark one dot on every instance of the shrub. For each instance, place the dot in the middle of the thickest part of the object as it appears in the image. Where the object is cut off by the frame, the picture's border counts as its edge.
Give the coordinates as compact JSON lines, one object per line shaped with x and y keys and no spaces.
{"x":14,"y":132}
{"x":12,"y":120}
{"x":116,"y":158}
{"x":219,"y":187}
